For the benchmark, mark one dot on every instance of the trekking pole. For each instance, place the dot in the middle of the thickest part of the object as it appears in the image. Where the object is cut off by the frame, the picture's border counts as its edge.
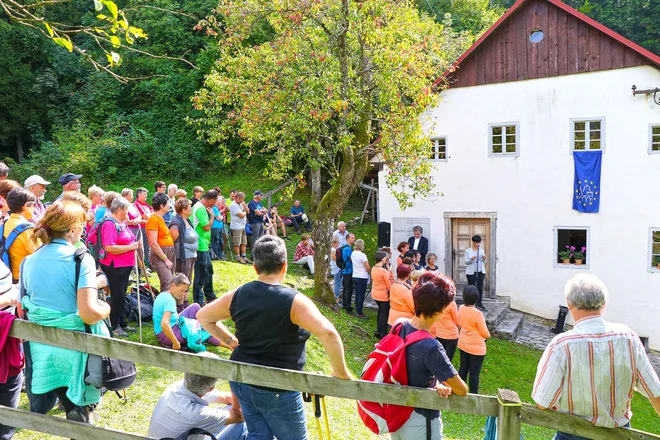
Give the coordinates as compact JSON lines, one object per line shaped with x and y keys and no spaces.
{"x":317,"y":415}
{"x":325,"y":418}
{"x":137,"y":289}
{"x":140,"y":261}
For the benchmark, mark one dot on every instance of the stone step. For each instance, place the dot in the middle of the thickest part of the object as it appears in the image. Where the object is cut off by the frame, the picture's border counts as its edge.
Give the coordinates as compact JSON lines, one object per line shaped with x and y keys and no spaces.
{"x":495,"y":313}
{"x":510,"y":326}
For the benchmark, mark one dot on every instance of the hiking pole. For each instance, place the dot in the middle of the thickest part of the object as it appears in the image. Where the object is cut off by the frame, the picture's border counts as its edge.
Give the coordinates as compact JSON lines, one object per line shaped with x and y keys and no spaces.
{"x":317,"y":415}
{"x":325,"y":417}
{"x":137,"y":289}
{"x":140,"y":261}
{"x":227,"y":243}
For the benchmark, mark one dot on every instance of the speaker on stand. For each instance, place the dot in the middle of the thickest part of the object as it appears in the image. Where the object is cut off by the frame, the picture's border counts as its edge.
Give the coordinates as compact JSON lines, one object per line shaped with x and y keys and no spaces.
{"x":384,"y":231}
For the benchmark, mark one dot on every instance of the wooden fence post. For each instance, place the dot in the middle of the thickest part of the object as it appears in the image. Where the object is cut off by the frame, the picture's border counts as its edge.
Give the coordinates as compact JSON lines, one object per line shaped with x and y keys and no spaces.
{"x":508,"y":415}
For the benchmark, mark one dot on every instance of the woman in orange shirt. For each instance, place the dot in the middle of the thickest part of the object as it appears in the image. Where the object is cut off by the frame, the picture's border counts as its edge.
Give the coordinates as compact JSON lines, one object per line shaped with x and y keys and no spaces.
{"x":446,"y":330}
{"x":472,"y":339}
{"x":380,"y":292}
{"x":161,"y":242}
{"x":401,"y":299}
{"x":402,"y":248}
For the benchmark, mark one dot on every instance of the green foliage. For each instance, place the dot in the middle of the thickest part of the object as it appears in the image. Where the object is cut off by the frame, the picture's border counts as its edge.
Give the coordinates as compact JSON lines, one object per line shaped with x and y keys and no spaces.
{"x":470,"y":16}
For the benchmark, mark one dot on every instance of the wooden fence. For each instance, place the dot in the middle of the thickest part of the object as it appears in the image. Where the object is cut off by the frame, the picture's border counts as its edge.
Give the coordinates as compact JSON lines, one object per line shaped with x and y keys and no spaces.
{"x":506,"y":406}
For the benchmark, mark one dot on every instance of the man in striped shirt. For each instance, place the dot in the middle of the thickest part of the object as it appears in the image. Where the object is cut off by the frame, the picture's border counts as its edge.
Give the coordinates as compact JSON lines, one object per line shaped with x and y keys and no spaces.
{"x":593,"y":370}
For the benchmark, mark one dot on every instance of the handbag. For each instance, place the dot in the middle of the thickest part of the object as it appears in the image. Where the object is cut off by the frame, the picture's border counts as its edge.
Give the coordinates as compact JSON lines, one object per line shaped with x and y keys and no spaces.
{"x":103,"y":371}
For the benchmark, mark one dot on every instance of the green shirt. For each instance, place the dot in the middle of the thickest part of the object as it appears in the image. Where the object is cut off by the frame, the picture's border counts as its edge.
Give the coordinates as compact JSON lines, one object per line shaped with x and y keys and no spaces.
{"x":201,"y":219}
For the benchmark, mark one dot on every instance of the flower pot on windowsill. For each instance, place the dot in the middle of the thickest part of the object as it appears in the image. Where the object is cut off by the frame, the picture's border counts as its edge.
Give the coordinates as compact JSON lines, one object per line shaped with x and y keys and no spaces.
{"x":658,"y":266}
{"x":578,"y":262}
{"x":566,"y":261}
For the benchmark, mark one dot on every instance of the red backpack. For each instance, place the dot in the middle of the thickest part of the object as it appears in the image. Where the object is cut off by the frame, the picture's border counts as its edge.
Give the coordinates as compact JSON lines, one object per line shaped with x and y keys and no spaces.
{"x":387,"y":364}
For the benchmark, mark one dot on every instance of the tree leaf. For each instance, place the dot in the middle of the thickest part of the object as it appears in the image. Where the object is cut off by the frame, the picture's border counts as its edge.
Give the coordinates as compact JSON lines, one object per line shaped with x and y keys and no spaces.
{"x":110,"y":60}
{"x":116,"y":42}
{"x":98,"y":5}
{"x":129,"y":39}
{"x":49,"y":29}
{"x":64,"y":42}
{"x":112,"y":7}
{"x":102,"y":17}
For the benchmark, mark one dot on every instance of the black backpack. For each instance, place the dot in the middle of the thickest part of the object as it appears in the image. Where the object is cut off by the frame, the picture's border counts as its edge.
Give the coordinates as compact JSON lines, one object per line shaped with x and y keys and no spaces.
{"x":5,"y":243}
{"x":339,"y":257}
{"x":102,"y":371}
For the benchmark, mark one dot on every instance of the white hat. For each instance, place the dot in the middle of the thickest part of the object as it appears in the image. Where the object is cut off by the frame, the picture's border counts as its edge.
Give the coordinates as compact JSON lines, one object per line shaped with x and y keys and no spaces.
{"x":34,"y":180}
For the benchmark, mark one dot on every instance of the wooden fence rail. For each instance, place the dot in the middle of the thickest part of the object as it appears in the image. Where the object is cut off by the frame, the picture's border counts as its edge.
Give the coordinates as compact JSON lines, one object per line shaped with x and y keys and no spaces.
{"x":289,"y":380}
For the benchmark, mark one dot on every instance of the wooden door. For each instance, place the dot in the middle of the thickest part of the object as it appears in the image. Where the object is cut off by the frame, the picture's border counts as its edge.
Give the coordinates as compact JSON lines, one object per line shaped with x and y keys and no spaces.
{"x":462,"y":231}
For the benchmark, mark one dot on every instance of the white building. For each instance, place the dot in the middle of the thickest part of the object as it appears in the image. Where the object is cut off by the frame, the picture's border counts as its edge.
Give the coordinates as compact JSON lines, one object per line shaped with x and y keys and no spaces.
{"x":552,"y":80}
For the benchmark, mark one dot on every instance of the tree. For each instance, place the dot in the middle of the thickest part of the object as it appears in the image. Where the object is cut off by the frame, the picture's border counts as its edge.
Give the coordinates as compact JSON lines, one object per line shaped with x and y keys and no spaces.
{"x":338,"y":83}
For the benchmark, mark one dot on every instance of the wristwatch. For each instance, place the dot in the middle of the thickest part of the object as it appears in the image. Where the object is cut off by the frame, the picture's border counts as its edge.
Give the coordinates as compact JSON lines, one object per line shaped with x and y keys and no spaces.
{"x":230,"y":340}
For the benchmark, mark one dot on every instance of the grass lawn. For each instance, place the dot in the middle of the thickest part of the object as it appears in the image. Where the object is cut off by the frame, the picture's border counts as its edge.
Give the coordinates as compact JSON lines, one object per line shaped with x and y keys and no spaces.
{"x":507,"y":365}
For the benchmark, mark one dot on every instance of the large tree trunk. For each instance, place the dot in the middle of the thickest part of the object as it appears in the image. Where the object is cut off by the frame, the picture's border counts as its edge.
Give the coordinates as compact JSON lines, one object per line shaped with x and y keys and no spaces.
{"x":315,"y":180}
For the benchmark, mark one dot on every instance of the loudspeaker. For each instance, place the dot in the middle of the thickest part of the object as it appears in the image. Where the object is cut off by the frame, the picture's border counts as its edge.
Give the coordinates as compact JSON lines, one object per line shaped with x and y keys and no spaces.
{"x":384,"y":231}
{"x":561,"y":320}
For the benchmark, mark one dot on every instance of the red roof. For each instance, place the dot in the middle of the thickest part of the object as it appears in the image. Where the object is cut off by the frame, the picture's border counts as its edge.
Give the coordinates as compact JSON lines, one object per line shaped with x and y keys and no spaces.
{"x":651,"y":57}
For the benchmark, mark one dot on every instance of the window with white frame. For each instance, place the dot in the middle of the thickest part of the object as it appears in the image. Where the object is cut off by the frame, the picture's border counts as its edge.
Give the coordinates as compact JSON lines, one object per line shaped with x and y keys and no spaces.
{"x":438,"y":148}
{"x":503,"y":139}
{"x":654,"y":245}
{"x":654,"y":139}
{"x":571,"y":247}
{"x":587,"y":134}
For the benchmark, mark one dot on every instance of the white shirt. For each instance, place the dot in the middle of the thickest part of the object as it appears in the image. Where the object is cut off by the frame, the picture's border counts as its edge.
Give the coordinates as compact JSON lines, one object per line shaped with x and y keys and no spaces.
{"x":236,"y":221}
{"x":341,"y":237}
{"x":178,"y":410}
{"x":416,"y":243}
{"x":471,"y":265}
{"x":590,"y":371}
{"x":358,"y":258}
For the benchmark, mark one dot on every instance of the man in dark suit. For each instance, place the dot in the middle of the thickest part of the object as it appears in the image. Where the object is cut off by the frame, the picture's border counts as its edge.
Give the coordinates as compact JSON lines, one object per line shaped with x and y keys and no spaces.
{"x":419,"y":243}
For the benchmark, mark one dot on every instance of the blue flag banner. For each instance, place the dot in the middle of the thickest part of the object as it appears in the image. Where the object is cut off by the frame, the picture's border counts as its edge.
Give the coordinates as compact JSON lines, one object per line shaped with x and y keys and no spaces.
{"x":586,"y":187}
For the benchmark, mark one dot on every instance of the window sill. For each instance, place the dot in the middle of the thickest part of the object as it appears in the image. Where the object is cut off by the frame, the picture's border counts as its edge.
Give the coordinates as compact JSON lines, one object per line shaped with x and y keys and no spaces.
{"x":572,"y":266}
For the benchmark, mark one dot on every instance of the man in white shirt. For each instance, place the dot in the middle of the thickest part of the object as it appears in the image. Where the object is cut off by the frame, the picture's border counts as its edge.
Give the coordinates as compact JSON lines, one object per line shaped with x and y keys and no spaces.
{"x":239,"y":212}
{"x":419,"y":243}
{"x":184,"y":405}
{"x":341,"y":233}
{"x":592,"y":370}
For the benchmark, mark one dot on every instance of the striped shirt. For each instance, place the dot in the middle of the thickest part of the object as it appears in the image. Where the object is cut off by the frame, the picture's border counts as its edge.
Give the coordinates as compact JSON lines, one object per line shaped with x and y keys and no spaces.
{"x":593,"y":370}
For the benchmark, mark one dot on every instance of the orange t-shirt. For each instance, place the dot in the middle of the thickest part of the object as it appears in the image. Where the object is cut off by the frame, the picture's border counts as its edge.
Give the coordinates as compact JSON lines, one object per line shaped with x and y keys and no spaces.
{"x":156,"y":223}
{"x":401,"y":302}
{"x":473,"y":331}
{"x":447,"y":326}
{"x":380,"y":289}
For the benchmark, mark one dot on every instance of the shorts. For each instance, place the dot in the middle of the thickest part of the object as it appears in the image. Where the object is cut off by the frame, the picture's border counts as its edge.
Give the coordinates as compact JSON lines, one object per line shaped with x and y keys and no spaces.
{"x":238,"y":237}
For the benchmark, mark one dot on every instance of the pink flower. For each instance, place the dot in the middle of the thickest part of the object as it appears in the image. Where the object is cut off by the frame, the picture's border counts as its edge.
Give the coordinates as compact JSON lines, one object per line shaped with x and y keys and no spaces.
{"x":571,"y":255}
{"x":584,"y":249}
{"x":572,"y":248}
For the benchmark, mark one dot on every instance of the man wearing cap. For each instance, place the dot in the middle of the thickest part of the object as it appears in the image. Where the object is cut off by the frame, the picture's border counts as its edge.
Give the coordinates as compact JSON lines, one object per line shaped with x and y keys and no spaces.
{"x":37,"y":186}
{"x":475,"y":267}
{"x":256,"y":216}
{"x":69,"y":182}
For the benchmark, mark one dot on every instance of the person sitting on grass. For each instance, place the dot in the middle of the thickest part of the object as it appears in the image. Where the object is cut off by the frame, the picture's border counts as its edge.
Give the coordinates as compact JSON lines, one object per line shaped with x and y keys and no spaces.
{"x":298,"y":217}
{"x":272,"y":221}
{"x":472,"y":338}
{"x":426,"y":361}
{"x":173,"y":329}
{"x":304,"y":253}
{"x":273,"y":323}
{"x":184,"y":405}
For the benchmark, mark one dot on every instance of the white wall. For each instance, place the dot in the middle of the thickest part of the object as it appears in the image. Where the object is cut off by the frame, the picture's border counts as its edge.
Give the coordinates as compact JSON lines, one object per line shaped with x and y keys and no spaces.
{"x":532,"y":193}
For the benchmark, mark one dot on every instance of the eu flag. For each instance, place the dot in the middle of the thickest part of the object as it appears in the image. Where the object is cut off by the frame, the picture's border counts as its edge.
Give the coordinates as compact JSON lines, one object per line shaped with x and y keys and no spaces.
{"x":586,"y":188}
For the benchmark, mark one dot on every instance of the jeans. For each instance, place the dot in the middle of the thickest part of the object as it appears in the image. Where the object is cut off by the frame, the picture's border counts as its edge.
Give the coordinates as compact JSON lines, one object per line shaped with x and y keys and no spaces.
{"x":360,"y":289}
{"x":450,"y":347}
{"x":10,"y":394}
{"x":39,"y":403}
{"x":477,"y":280}
{"x":336,"y":287}
{"x":118,"y":282}
{"x":415,"y":428}
{"x":235,"y":431}
{"x":563,"y":436}
{"x":203,"y":282}
{"x":271,"y":414}
{"x":381,"y":320}
{"x":257,"y":231}
{"x":347,"y":281}
{"x":297,"y":221}
{"x":217,"y":242}
{"x":471,"y":363}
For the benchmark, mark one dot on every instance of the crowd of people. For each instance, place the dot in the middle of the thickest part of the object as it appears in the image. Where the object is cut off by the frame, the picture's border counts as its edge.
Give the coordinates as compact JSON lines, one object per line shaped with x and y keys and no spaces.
{"x":50,"y":279}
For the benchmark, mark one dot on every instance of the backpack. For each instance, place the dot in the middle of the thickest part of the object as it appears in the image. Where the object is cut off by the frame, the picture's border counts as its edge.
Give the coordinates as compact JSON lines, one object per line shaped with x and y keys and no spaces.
{"x":339,"y":257}
{"x":93,"y":241}
{"x":387,"y":364}
{"x":102,"y":371}
{"x":5,"y":243}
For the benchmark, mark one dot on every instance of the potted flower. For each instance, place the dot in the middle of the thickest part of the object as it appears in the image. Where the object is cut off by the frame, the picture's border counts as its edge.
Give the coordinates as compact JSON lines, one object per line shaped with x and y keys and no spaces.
{"x":656,"y":261}
{"x":579,"y":255}
{"x":566,"y":255}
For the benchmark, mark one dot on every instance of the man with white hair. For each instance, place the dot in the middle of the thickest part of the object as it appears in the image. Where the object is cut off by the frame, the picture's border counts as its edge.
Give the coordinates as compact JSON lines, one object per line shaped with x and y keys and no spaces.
{"x":341,"y":233}
{"x":37,"y":186}
{"x":592,"y":370}
{"x":184,"y":406}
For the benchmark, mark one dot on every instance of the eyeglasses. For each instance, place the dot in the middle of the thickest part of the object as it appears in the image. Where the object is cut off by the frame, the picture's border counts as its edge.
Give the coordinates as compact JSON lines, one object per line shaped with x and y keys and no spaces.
{"x":29,"y":204}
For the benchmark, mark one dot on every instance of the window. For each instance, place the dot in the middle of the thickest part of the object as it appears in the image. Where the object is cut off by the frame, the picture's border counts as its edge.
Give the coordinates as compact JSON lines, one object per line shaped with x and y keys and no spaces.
{"x":503,"y":139}
{"x":587,"y":134}
{"x":438,"y":149}
{"x":654,"y":254}
{"x":571,"y":247}
{"x":654,"y":138}
{"x":536,"y":36}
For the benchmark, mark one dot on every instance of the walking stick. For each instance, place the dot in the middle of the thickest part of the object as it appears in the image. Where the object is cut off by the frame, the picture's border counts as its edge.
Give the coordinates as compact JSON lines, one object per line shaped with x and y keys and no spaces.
{"x":140,"y":262}
{"x":325,"y":417}
{"x":137,"y":289}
